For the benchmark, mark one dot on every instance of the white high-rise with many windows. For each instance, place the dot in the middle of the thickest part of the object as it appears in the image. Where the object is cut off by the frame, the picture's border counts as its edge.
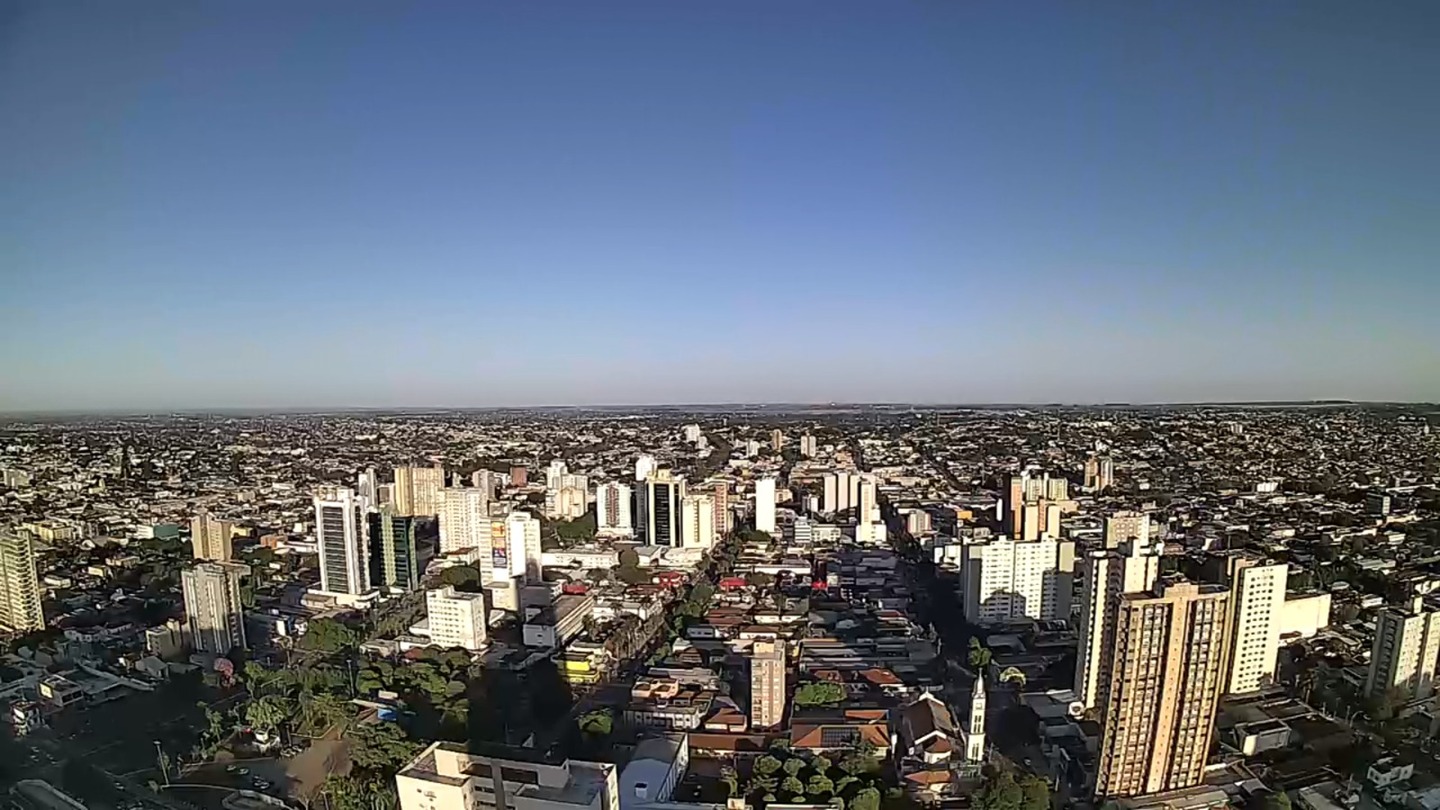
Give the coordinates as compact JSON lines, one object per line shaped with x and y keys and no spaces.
{"x":1106,"y":576}
{"x":20,"y":606}
{"x":612,"y":510}
{"x":465,"y":522}
{"x":342,"y":534}
{"x":697,"y":521}
{"x":1007,"y":581}
{"x":417,"y":490}
{"x":456,"y":619}
{"x":765,"y":505}
{"x":1258,"y":594}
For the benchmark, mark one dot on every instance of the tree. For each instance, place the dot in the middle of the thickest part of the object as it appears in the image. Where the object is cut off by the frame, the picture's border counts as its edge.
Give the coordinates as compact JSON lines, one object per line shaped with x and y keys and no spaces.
{"x":462,"y":578}
{"x":759,"y":579}
{"x":999,"y":792}
{"x":329,"y":636}
{"x":629,"y":558}
{"x":632,"y":576}
{"x":1035,"y":793}
{"x":820,"y":693}
{"x":1277,"y":800}
{"x":767,"y":765}
{"x":598,"y":723}
{"x":267,"y":713}
{"x":794,"y":765}
{"x":381,"y":747}
{"x":980,"y":655}
{"x":867,"y":799}
{"x":792,"y":786}
{"x":819,"y":786}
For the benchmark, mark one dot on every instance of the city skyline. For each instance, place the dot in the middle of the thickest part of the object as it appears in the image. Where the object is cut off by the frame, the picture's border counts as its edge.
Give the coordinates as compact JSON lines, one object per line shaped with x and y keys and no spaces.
{"x":650,"y":203}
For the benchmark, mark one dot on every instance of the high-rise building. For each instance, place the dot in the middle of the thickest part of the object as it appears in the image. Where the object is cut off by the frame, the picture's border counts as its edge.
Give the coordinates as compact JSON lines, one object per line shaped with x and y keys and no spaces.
{"x":767,"y":684}
{"x":777,"y":440}
{"x":1158,"y":720}
{"x":839,"y":492}
{"x":214,"y":615}
{"x":612,"y":510}
{"x":765,"y":505}
{"x":1257,"y":612}
{"x":367,"y":484}
{"x":417,"y":490}
{"x":519,"y":477}
{"x":720,"y":491}
{"x":808,"y":447}
{"x":20,"y":606}
{"x":973,"y":731}
{"x":691,"y":433}
{"x":660,"y":502}
{"x":484,"y":481}
{"x":644,"y":466}
{"x":394,"y":562}
{"x":866,"y":500}
{"x":210,"y":538}
{"x":697,"y":521}
{"x":340,"y":530}
{"x":522,"y":536}
{"x":1403,"y":655}
{"x":1031,"y":504}
{"x":1006,"y":581}
{"x":1127,"y":527}
{"x":1106,"y":576}
{"x":456,"y":619}
{"x":464,"y":522}
{"x":1099,"y":473}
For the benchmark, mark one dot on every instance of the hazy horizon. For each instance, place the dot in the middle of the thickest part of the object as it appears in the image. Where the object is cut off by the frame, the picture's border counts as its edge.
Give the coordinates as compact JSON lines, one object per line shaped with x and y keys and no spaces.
{"x":237,"y":206}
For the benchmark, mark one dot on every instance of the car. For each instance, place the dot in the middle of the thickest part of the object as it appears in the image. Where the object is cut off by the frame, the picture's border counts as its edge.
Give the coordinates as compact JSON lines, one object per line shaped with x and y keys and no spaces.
{"x":243,"y":771}
{"x":230,"y":768}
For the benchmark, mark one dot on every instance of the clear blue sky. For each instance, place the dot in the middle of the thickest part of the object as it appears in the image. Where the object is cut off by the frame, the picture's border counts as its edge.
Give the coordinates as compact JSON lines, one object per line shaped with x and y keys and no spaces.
{"x":371,"y":204}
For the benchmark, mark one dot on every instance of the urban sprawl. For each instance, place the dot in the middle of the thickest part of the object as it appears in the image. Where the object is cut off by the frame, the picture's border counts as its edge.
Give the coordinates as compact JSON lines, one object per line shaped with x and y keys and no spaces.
{"x":842,"y":608}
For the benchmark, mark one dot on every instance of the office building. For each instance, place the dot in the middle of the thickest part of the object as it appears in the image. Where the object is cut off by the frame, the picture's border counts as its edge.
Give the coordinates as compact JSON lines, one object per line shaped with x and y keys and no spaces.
{"x":417,"y":490}
{"x":214,"y":615}
{"x":464,"y":523}
{"x":765,"y":505}
{"x":660,"y":504}
{"x":394,"y":562}
{"x":519,"y":477}
{"x":697,"y":521}
{"x":767,"y":684}
{"x":20,"y":606}
{"x":210,"y":539}
{"x":777,"y":440}
{"x":341,"y":532}
{"x":1158,"y":719}
{"x":613,"y":502}
{"x":446,"y":777}
{"x":1009,"y":581}
{"x":456,"y":619}
{"x":1403,"y":655}
{"x":1105,"y":576}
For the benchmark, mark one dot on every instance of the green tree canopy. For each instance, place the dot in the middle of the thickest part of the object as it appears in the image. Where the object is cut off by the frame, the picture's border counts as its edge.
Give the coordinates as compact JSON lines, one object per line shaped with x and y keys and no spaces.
{"x":820,"y":693}
{"x":867,"y":799}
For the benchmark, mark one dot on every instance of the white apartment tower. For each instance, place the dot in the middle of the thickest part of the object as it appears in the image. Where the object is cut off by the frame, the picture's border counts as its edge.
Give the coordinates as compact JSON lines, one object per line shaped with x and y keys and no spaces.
{"x":697,"y":521}
{"x":1006,"y":581}
{"x":612,"y":510}
{"x":465,"y":522}
{"x":214,"y":616}
{"x":340,"y":531}
{"x":1105,"y":577}
{"x":1403,"y":656}
{"x":839,"y":490}
{"x":20,"y":606}
{"x":522,"y":534}
{"x":644,"y":466}
{"x":456,"y":619}
{"x":765,"y":505}
{"x":1257,"y":604}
